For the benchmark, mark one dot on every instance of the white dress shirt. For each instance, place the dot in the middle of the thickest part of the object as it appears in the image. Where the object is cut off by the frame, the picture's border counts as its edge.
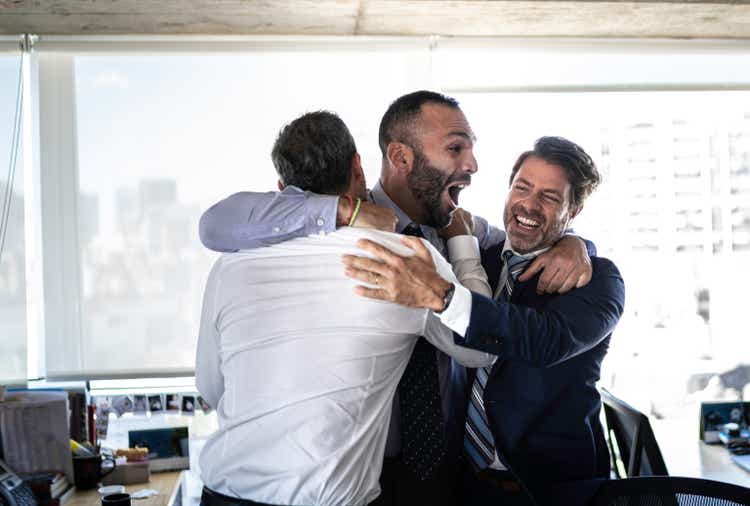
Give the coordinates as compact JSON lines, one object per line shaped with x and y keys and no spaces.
{"x":302,"y":371}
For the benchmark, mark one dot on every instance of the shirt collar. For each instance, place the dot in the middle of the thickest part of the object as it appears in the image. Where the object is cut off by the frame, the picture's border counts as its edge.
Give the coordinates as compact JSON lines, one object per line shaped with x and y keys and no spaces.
{"x":380,"y":197}
{"x":528,"y":256}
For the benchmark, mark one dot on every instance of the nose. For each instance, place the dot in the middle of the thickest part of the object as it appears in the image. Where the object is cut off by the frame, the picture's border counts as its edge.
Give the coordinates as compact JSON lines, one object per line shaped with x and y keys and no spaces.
{"x":470,"y":164}
{"x":531,"y":202}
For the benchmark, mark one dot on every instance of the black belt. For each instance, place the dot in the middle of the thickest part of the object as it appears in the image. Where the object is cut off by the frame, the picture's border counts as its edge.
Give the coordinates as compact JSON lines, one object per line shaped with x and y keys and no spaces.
{"x":212,"y":498}
{"x":500,"y":479}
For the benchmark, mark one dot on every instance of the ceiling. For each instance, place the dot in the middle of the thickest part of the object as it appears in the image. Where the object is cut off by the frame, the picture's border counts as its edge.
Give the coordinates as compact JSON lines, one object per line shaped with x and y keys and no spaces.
{"x":482,"y":18}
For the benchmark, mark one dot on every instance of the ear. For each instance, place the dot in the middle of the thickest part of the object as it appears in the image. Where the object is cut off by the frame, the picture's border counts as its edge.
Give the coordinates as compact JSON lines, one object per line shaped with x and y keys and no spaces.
{"x":358,"y":173}
{"x":280,"y":185}
{"x":400,"y":156}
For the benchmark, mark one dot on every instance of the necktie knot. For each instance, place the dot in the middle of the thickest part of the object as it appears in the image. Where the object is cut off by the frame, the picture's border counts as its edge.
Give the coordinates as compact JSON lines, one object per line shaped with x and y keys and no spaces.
{"x":515,"y":264}
{"x":413,"y":229}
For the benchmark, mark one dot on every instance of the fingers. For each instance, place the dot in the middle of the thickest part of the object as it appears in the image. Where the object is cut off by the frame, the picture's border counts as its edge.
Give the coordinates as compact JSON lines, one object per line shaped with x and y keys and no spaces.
{"x":550,"y":281}
{"x":371,"y":293}
{"x":535,"y":266}
{"x":466,"y":218}
{"x":571,"y":281}
{"x":365,"y":276}
{"x":380,"y":252}
{"x":420,"y":250}
{"x":584,"y":278}
{"x":365,"y":264}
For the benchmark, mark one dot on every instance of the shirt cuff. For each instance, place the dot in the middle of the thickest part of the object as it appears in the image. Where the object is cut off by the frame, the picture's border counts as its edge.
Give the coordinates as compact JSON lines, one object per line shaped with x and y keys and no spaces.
{"x":320,"y":211}
{"x":463,"y":247}
{"x":458,"y":313}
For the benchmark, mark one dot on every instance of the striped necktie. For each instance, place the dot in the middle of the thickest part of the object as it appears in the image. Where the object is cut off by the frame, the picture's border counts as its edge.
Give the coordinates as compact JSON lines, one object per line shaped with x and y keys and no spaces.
{"x":479,"y":444}
{"x":422,"y":430}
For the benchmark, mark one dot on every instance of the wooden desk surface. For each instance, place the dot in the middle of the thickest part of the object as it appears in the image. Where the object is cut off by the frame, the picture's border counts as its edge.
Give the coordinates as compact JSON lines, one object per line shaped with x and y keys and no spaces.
{"x":165,"y":483}
{"x":686,"y":455}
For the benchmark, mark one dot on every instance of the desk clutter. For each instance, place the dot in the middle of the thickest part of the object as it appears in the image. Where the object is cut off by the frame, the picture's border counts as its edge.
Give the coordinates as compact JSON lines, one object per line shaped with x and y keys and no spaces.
{"x":51,"y":443}
{"x":728,"y":423}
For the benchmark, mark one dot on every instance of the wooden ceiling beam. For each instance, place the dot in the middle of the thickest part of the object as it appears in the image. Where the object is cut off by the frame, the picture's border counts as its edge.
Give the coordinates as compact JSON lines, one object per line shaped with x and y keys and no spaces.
{"x":470,"y":18}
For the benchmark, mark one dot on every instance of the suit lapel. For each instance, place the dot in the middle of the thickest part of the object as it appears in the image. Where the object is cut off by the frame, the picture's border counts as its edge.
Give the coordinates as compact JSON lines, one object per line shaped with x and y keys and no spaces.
{"x":491,"y":261}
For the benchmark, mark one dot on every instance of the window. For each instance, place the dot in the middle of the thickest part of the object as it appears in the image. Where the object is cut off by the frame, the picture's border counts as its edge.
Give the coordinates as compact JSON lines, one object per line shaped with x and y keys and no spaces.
{"x":139,"y":137}
{"x":12,"y":249}
{"x":159,"y":138}
{"x":670,"y":161}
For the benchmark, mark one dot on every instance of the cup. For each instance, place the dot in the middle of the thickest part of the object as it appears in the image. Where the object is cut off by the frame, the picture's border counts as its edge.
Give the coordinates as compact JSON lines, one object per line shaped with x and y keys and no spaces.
{"x":87,"y":471}
{"x":120,"y":499}
{"x":111,"y":489}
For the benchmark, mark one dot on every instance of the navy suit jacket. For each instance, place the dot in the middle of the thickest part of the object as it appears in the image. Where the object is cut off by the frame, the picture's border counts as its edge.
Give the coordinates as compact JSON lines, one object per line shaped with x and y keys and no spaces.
{"x":540,"y":398}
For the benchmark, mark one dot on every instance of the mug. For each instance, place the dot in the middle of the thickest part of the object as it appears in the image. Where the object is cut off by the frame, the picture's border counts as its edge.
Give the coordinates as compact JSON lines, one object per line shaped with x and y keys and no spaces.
{"x":87,"y":471}
{"x":119,"y":499}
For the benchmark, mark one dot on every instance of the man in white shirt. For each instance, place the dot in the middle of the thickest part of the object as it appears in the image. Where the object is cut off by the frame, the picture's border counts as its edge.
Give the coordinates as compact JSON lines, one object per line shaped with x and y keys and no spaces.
{"x":302,"y":372}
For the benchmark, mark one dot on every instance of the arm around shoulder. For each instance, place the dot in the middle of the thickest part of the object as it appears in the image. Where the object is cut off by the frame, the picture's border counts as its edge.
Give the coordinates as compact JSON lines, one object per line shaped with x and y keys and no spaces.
{"x":248,"y":220}
{"x":564,"y":327}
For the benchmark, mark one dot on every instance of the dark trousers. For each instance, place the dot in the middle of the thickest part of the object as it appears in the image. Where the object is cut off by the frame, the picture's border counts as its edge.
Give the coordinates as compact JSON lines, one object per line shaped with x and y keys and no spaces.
{"x":490,"y":487}
{"x":399,"y":486}
{"x":211,"y":498}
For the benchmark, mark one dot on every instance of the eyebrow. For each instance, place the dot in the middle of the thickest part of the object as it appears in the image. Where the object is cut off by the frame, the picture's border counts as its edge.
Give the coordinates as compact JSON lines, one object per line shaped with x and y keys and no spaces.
{"x":463,"y":134}
{"x":527,"y":183}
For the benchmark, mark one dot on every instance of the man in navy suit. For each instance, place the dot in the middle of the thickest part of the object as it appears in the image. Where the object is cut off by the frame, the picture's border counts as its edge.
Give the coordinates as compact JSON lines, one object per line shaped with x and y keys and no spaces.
{"x":532,"y":417}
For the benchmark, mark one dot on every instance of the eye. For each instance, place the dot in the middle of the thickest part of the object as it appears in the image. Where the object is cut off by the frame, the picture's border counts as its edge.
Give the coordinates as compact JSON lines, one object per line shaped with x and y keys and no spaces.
{"x":456,"y":148}
{"x":551,"y":198}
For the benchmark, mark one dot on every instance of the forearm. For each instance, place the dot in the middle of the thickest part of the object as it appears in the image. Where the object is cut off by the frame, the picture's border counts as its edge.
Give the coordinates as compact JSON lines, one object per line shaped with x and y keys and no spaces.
{"x":547,"y":336}
{"x":464,"y":256}
{"x":250,"y":220}
{"x":442,"y":338}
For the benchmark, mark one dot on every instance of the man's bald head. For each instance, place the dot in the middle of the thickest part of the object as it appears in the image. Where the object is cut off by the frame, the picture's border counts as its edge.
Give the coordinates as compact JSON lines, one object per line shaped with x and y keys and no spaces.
{"x":400,"y":122}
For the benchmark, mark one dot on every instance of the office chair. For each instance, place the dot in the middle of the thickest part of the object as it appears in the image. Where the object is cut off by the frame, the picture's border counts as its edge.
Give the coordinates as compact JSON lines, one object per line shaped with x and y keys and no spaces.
{"x":629,"y":431}
{"x":670,"y":491}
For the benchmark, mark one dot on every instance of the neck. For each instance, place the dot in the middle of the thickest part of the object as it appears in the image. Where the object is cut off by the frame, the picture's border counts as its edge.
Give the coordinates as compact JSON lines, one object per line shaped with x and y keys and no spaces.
{"x":398,"y":191}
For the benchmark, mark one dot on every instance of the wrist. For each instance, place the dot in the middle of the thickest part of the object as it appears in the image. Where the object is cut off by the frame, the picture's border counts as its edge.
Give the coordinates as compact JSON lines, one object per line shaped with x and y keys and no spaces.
{"x":443,"y":293}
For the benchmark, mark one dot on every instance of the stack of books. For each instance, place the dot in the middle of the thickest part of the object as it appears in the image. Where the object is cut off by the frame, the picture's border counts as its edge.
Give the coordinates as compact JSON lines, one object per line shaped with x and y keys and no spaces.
{"x":50,"y":488}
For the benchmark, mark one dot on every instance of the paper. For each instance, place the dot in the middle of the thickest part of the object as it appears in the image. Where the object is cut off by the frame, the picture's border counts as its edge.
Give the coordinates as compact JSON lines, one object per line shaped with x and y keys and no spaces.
{"x":144,"y":493}
{"x":34,"y":428}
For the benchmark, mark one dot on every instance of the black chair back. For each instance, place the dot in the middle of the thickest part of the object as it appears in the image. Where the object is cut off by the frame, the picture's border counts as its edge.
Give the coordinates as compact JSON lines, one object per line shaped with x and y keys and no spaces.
{"x":670,"y":491}
{"x":629,"y":431}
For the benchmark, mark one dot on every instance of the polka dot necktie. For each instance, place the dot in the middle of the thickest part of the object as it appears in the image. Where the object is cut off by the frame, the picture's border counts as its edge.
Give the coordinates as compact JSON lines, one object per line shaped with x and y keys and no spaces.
{"x":479,"y":445}
{"x":422,"y":430}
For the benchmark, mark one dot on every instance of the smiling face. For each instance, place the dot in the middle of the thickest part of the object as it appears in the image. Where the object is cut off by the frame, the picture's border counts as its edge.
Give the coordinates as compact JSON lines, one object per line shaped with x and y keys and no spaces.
{"x":443,"y":162}
{"x":538,"y":207}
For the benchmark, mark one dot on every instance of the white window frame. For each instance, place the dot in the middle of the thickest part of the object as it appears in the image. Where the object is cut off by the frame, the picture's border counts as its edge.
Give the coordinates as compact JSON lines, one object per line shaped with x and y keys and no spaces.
{"x":61,"y":315}
{"x":56,"y":288}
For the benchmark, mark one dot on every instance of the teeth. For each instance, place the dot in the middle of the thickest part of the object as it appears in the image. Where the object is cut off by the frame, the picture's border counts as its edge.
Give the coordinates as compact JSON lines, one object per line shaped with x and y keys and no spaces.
{"x":527,"y":221}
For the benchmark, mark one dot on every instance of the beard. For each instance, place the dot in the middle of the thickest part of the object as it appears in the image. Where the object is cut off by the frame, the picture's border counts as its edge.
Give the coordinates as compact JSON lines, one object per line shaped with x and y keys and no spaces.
{"x":426,"y":183}
{"x":524,"y":241}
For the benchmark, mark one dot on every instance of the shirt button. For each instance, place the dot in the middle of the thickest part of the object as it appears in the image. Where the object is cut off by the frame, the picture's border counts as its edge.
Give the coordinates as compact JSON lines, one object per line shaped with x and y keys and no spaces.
{"x":320,"y":222}
{"x":276,"y":230}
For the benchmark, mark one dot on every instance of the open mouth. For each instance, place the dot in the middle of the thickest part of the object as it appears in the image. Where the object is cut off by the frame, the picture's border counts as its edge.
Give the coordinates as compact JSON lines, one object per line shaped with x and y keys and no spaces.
{"x":453,"y":192}
{"x":526,"y":223}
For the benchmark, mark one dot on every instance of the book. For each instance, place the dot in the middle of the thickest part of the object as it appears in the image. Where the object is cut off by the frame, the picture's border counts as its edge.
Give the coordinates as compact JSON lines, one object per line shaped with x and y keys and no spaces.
{"x":60,"y":500}
{"x":47,"y":485}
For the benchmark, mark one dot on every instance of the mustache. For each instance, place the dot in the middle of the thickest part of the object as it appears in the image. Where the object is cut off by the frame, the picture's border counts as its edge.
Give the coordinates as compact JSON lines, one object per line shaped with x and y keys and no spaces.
{"x":533,"y":215}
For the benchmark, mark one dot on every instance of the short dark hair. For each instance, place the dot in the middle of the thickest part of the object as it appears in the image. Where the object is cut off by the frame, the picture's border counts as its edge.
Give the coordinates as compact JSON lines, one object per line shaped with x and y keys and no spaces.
{"x":314,"y":152}
{"x":581,"y":169}
{"x":398,"y":120}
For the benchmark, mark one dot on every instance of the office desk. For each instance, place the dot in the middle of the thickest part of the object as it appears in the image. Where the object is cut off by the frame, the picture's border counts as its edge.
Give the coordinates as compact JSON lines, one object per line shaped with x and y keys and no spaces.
{"x":686,"y":455}
{"x":165,"y":483}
